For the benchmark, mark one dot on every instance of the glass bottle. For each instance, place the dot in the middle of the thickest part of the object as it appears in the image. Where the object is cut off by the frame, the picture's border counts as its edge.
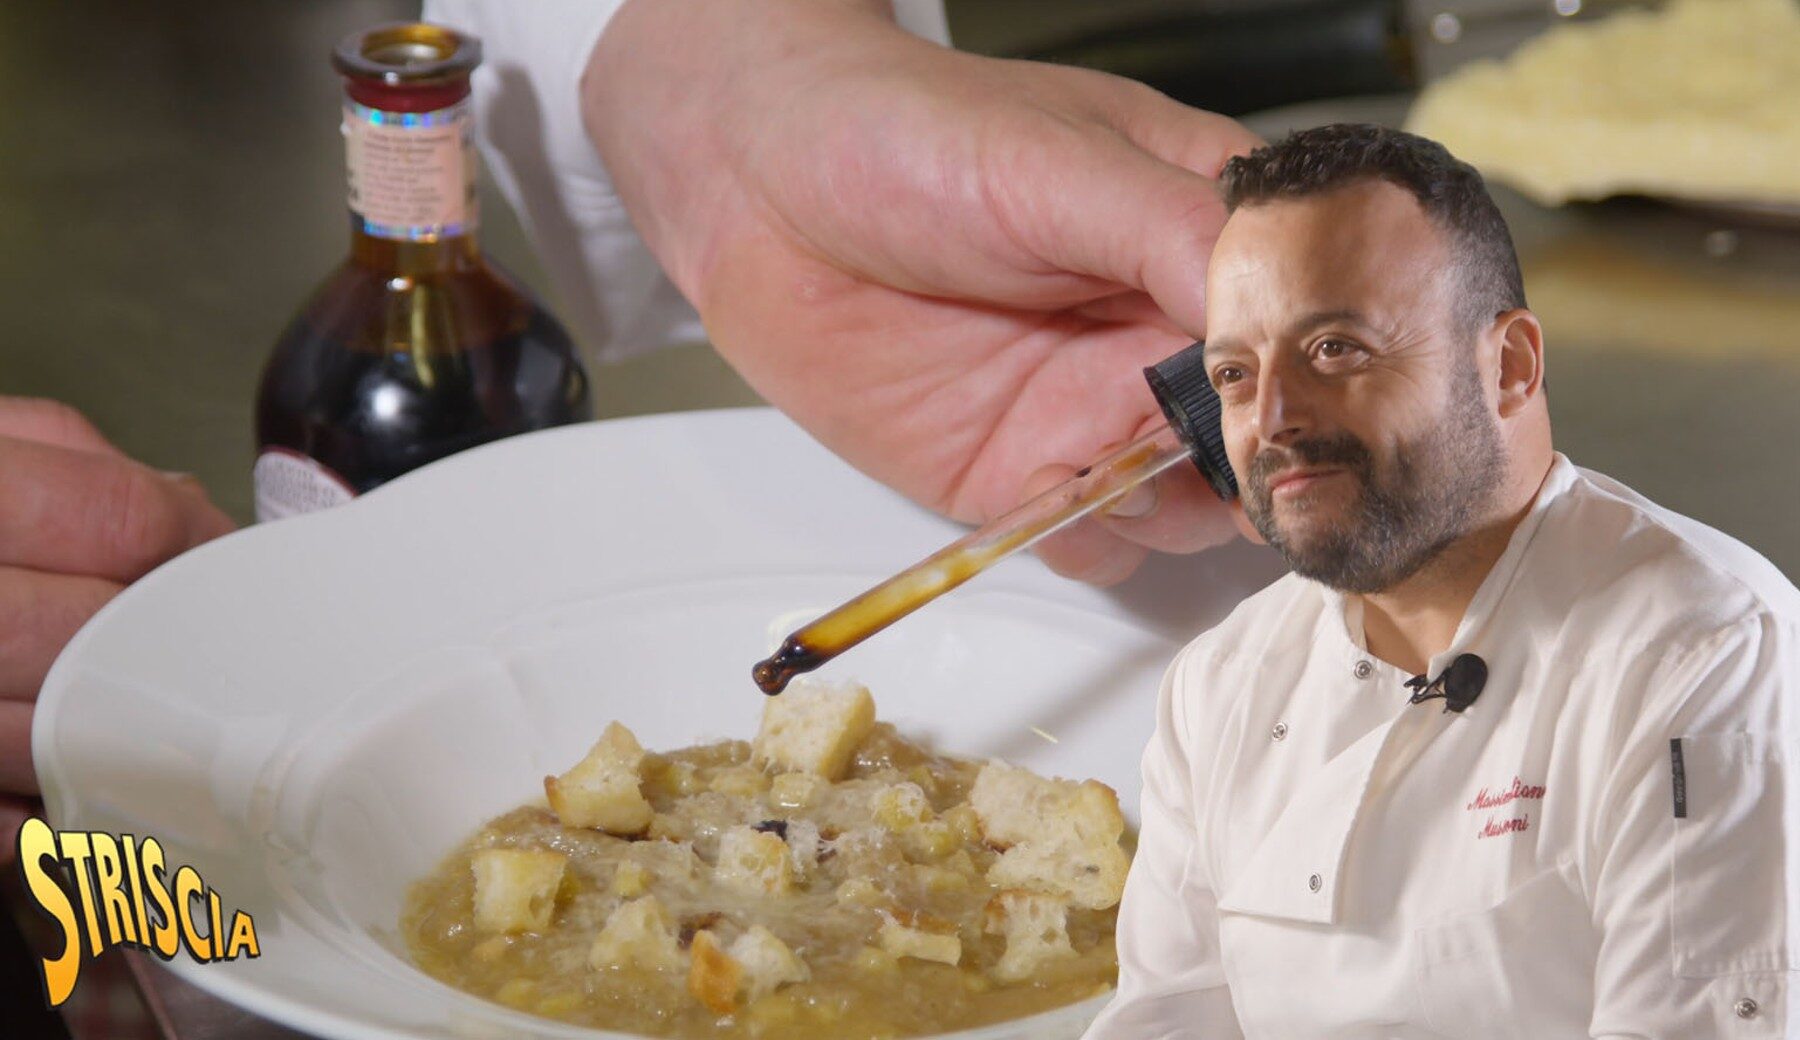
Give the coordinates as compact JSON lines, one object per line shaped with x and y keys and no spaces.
{"x":416,"y":347}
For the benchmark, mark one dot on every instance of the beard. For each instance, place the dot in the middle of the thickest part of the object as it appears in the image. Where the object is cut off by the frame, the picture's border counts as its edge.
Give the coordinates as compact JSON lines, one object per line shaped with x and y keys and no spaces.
{"x":1409,"y":506}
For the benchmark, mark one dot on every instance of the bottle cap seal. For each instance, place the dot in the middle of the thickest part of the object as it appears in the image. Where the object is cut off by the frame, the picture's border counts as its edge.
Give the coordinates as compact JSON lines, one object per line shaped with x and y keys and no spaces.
{"x":411,"y":54}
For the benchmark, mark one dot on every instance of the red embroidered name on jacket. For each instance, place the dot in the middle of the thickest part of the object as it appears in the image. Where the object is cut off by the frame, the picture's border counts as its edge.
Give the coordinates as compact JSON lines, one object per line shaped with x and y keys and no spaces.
{"x":1495,"y":828}
{"x":1520,"y":790}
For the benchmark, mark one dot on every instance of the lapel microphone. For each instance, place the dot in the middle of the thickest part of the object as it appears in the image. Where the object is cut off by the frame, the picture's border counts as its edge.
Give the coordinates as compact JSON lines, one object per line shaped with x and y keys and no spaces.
{"x":1457,"y":686}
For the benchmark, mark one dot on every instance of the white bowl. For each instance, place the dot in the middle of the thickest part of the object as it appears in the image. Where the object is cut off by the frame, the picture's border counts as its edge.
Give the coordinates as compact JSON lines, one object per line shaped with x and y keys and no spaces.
{"x":314,"y":712}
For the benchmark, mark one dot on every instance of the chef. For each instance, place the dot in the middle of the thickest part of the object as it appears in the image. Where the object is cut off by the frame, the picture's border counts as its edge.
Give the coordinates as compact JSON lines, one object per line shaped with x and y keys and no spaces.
{"x":1511,"y":751}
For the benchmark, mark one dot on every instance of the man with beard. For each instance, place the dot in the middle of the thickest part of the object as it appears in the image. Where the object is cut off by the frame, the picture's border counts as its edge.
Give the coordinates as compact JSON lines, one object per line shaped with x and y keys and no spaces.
{"x":1511,"y":751}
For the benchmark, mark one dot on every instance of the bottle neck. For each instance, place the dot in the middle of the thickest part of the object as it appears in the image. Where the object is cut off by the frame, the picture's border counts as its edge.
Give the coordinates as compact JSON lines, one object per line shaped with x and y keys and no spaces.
{"x":411,"y":178}
{"x":402,"y":258}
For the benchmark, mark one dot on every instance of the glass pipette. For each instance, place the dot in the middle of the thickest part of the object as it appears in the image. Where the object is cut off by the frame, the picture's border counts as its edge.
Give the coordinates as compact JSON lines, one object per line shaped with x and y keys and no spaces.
{"x":1187,"y":398}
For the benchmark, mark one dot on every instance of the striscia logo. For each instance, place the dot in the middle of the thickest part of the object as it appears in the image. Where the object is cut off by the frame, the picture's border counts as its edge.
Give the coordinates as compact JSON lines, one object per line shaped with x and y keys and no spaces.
{"x":118,"y":891}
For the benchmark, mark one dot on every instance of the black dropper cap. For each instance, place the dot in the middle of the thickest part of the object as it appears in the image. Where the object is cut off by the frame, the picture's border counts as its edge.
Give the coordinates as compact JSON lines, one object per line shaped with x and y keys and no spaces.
{"x":1186,"y":394}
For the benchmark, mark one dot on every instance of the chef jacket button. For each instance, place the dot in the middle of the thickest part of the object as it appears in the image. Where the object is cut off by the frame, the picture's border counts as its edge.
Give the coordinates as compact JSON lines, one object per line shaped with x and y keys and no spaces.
{"x":1363,"y":669}
{"x":1316,"y":882}
{"x":1746,"y":1008}
{"x":1279,"y":732}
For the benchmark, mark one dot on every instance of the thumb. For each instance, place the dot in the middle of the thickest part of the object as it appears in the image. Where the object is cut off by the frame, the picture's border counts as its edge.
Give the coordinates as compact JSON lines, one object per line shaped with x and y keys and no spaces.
{"x":51,"y":422}
{"x":1143,"y":209}
{"x":1191,"y":138}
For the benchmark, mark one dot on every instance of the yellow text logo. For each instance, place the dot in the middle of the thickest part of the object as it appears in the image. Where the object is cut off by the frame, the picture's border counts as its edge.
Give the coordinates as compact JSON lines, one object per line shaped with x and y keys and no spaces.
{"x":103,"y":891}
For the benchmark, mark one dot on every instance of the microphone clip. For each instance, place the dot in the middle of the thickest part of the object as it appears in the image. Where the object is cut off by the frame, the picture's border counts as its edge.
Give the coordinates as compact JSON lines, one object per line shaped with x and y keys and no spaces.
{"x":1458,"y":686}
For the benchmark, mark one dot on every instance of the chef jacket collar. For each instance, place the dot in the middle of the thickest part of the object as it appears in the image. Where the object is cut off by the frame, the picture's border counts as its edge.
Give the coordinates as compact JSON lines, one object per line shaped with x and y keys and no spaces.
{"x":1296,"y":869}
{"x":1348,"y":608}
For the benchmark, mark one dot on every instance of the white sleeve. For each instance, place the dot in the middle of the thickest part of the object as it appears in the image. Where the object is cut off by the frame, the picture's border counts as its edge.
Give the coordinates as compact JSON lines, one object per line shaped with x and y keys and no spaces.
{"x":1698,"y":850}
{"x":1171,"y":976}
{"x":609,"y":288}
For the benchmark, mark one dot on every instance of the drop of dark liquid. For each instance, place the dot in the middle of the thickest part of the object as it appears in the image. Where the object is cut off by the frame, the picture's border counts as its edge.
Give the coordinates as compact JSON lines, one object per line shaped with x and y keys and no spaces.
{"x":773,"y":675}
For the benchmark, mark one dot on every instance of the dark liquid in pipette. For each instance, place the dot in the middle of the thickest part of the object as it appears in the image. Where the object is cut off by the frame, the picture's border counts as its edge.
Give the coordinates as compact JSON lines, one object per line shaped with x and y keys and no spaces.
{"x":876,"y":609}
{"x":799,"y":654}
{"x":794,"y":657}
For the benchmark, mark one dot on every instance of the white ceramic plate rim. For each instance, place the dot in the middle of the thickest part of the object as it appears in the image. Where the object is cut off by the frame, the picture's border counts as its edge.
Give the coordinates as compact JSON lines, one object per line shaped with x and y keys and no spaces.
{"x":1231,"y":574}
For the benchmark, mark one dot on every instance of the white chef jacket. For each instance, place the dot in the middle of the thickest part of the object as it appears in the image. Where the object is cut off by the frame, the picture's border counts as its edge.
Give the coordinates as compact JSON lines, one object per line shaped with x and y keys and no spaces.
{"x":1320,"y":860}
{"x":609,"y":287}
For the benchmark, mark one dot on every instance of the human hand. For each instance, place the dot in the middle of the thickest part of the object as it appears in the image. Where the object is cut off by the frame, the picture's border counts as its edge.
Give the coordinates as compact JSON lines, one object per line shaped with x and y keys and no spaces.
{"x":78,"y":522}
{"x":950,"y":269}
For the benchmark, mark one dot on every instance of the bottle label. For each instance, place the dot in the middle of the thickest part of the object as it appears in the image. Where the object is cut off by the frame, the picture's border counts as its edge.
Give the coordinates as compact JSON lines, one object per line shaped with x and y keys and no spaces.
{"x":412,"y":174}
{"x":288,"y":483}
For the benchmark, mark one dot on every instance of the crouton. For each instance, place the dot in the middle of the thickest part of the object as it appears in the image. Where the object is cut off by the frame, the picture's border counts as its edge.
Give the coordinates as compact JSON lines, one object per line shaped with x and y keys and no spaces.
{"x":601,"y":790}
{"x":1016,"y":805}
{"x":814,"y":727}
{"x":1036,"y":929}
{"x":767,"y":963}
{"x":1059,"y":836}
{"x":713,"y":976}
{"x":755,"y":862}
{"x":927,"y":938}
{"x":669,"y":827}
{"x":515,"y":889}
{"x":639,"y":934}
{"x":1090,"y":877}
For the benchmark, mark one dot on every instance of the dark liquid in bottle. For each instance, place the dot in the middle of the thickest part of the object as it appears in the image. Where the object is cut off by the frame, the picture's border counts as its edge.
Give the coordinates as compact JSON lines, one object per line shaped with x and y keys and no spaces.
{"x":344,"y":389}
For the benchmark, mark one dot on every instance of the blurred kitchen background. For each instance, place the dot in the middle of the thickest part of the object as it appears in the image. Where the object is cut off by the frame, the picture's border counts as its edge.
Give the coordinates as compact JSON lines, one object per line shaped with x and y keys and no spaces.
{"x":171,"y":188}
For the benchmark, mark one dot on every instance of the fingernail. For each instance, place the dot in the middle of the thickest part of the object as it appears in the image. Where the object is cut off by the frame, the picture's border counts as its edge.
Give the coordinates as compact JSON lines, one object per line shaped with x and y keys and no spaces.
{"x":1136,"y":504}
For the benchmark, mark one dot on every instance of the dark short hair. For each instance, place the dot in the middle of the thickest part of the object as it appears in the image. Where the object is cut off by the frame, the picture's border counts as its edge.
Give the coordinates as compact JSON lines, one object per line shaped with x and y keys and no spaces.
{"x":1451,"y":192}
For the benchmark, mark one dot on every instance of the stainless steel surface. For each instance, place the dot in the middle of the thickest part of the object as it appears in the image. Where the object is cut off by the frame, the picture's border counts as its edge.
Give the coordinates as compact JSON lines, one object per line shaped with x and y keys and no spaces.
{"x":1672,"y":345}
{"x":163,"y":213}
{"x":1444,"y":33}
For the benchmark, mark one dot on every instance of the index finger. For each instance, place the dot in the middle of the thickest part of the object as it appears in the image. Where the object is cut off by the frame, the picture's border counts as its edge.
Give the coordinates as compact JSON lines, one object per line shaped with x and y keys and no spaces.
{"x":52,"y":422}
{"x":69,"y":511}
